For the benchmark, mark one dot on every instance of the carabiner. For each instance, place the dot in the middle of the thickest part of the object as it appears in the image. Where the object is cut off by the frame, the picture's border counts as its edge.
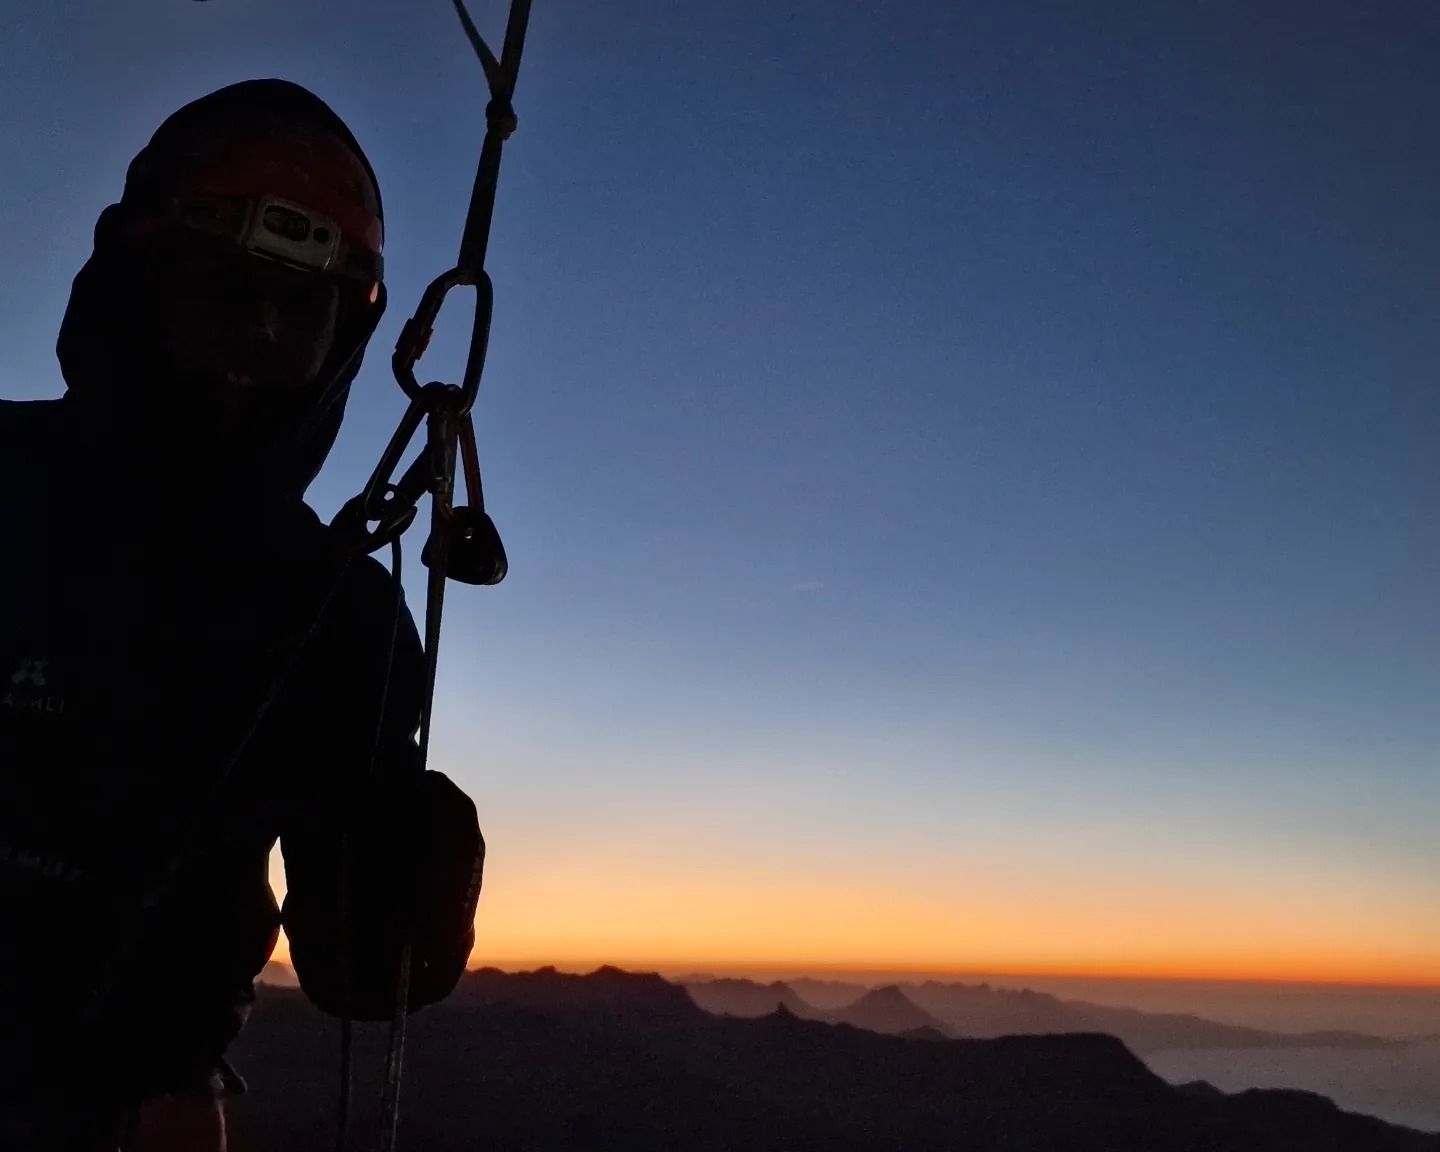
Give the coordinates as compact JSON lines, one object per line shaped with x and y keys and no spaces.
{"x":416,"y":334}
{"x":390,"y":506}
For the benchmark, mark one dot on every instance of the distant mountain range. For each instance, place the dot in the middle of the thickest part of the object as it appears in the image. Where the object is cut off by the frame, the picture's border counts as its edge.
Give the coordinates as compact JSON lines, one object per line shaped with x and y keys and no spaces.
{"x":618,"y":1061}
{"x":980,"y":1011}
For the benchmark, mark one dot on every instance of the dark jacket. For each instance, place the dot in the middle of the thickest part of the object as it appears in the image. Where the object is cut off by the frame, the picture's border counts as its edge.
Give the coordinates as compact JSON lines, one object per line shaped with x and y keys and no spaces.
{"x":153,"y":573}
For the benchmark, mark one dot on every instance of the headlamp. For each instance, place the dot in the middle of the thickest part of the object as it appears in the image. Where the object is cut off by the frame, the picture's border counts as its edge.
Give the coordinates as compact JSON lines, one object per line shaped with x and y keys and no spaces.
{"x":274,"y":228}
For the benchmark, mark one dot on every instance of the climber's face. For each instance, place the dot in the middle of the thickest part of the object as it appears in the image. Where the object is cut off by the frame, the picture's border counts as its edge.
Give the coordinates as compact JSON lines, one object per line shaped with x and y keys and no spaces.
{"x":264,"y":246}
{"x":239,"y":321}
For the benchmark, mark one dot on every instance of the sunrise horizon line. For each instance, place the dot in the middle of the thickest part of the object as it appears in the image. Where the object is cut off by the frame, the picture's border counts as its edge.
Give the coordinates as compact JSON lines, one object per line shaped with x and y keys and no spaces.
{"x":730,"y":968}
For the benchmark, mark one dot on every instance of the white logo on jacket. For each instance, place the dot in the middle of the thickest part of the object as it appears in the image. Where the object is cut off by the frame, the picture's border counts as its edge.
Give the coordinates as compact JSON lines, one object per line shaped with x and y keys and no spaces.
{"x":27,"y":688}
{"x":29,"y":671}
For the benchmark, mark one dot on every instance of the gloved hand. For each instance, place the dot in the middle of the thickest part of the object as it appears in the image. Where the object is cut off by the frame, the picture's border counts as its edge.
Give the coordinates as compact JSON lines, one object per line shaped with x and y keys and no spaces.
{"x":404,"y":864}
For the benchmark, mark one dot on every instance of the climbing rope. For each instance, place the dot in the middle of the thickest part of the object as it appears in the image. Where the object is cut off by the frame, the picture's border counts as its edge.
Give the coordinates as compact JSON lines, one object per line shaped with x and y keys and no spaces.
{"x":463,"y":544}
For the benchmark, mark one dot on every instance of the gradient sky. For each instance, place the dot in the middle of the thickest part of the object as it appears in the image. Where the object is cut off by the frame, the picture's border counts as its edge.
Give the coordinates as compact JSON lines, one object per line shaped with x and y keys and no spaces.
{"x":969,"y":470}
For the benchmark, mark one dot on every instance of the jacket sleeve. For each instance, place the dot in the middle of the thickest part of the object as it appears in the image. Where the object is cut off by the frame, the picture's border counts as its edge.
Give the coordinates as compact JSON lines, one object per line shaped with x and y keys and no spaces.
{"x":377,"y":856}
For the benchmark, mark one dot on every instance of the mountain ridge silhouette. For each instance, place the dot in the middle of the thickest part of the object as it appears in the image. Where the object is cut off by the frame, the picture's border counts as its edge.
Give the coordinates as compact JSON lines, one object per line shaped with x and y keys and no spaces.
{"x":981,"y":1011}
{"x":612,"y":1061}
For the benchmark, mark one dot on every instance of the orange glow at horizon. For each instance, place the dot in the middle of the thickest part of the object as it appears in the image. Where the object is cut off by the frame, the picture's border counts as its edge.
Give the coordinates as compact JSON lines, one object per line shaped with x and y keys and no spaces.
{"x":579,"y":913}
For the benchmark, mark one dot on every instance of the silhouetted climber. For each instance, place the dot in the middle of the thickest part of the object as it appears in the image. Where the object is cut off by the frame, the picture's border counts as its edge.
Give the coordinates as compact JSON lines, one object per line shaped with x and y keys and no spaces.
{"x":155,"y":556}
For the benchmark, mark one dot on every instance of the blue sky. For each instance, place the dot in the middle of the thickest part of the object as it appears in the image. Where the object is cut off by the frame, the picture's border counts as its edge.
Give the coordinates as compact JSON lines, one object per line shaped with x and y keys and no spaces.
{"x":929,"y":439}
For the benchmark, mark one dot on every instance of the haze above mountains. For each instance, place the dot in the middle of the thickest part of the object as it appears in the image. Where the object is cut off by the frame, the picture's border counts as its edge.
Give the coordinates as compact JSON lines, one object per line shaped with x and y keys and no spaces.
{"x":980,"y":1011}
